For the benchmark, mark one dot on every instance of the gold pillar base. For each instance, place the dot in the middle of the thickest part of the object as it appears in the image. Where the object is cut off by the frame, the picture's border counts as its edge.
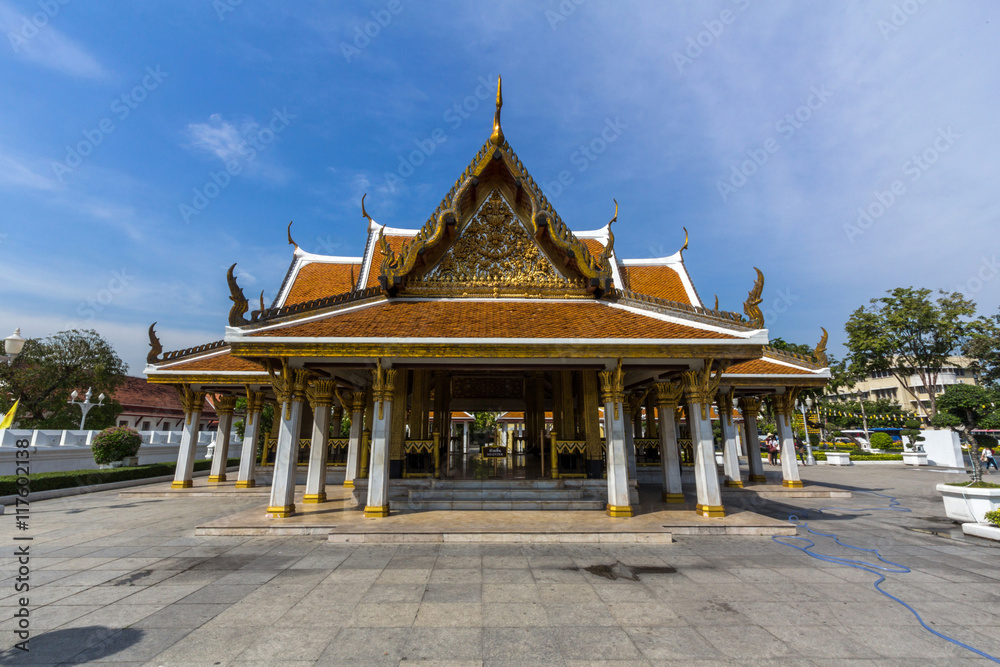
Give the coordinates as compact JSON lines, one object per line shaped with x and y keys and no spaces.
{"x":348,"y":483}
{"x":673,"y":497}
{"x":314,"y":498}
{"x":183,"y":484}
{"x":246,"y":483}
{"x":758,"y":478}
{"x":619,"y":510}
{"x":735,"y":483}
{"x":710,"y":510}
{"x":792,"y":483}
{"x":282,"y":512}
{"x":215,"y":479}
{"x":376,"y":511}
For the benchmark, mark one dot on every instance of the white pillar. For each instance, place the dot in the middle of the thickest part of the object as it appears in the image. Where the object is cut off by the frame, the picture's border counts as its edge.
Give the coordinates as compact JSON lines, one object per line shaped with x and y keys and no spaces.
{"x":378,"y":468}
{"x":224,"y":407}
{"x":630,"y":450}
{"x":749,"y":407}
{"x":192,"y":402}
{"x":354,"y":445}
{"x":784,"y":405}
{"x":251,"y":428}
{"x":706,"y":477}
{"x":465,"y":437}
{"x":321,"y":399}
{"x":670,"y":459}
{"x":613,"y":395}
{"x":286,"y":456}
{"x":730,"y":455}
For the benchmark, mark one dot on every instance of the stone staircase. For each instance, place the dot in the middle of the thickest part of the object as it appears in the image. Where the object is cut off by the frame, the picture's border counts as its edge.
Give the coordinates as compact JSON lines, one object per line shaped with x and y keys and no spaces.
{"x":442,"y":494}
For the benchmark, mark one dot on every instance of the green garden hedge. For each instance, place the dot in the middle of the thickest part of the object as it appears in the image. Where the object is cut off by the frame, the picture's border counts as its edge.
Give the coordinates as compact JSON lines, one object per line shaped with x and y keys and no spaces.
{"x":50,"y":481}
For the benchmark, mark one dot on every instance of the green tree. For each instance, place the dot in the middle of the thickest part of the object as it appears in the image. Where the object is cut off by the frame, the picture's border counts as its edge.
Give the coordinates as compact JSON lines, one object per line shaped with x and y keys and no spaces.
{"x":266,"y":420}
{"x":911,"y":433}
{"x":486,"y":421}
{"x":906,"y":333}
{"x":49,"y":369}
{"x":983,"y":348}
{"x":965,"y":407}
{"x":798,"y":348}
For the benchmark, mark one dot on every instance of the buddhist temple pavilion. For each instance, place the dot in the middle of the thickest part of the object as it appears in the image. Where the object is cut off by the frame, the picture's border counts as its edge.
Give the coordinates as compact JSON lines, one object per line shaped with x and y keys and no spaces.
{"x":598,"y":366}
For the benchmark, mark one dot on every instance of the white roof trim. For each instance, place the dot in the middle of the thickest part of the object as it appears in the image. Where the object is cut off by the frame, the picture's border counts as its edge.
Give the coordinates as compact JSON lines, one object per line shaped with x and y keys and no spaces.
{"x":656,"y":261}
{"x":688,"y":323}
{"x":302,"y":258}
{"x":488,"y":341}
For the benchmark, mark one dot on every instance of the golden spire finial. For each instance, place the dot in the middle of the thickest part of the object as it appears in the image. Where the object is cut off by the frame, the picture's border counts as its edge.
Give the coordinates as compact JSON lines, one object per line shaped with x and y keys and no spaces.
{"x":497,"y":137}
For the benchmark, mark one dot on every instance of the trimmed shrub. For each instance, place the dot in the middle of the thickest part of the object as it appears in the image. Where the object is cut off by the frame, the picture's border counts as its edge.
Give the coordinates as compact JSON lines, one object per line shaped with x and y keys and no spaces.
{"x":993,"y":517}
{"x":881,"y":440}
{"x":51,"y":481}
{"x":115,"y":443}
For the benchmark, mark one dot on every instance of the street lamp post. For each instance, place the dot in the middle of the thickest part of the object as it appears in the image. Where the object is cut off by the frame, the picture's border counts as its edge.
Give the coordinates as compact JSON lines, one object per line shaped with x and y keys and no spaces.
{"x":85,"y":404}
{"x":807,"y":405}
{"x":12,"y":345}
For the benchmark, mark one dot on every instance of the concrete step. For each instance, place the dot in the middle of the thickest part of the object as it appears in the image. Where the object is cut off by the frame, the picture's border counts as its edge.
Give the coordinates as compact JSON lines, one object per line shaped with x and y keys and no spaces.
{"x":459,"y":505}
{"x":491,"y":494}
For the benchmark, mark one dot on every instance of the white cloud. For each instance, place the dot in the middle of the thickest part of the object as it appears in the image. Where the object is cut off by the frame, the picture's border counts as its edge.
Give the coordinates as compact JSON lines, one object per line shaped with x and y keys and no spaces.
{"x":239,"y":144}
{"x":40,"y":43}
{"x":15,"y":173}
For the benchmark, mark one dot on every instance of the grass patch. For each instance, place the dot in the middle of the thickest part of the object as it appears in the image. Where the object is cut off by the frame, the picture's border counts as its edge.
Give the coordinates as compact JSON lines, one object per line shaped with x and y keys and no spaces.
{"x":977,"y":485}
{"x":51,"y":481}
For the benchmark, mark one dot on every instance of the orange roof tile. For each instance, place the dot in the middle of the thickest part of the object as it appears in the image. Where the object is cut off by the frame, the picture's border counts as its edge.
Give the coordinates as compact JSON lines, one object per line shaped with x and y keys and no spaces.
{"x":764,"y":367}
{"x":594,"y":246}
{"x":395,"y":243}
{"x":491,"y":319}
{"x":319,"y":279}
{"x":218,"y":362}
{"x":660,"y":281}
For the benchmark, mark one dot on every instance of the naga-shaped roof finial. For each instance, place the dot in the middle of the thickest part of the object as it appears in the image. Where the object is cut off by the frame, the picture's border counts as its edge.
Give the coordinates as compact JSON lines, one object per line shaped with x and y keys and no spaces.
{"x":497,"y":137}
{"x":752,"y":305}
{"x":819,"y":354}
{"x":364,"y":213}
{"x":685,"y":246}
{"x":240,"y":305}
{"x":291,"y":241}
{"x":154,"y":345}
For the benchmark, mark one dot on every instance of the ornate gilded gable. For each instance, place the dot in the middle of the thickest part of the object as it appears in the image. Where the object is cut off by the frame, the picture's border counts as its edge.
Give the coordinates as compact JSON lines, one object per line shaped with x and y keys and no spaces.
{"x":495,"y":250}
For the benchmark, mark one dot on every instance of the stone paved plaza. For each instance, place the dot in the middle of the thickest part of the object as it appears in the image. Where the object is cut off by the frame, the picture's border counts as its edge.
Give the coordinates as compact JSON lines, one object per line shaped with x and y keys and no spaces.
{"x":127,"y":582}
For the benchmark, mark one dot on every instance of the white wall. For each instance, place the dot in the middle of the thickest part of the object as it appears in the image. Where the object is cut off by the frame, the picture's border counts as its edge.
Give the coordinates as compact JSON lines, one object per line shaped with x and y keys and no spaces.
{"x":943,"y":448}
{"x":60,"y":451}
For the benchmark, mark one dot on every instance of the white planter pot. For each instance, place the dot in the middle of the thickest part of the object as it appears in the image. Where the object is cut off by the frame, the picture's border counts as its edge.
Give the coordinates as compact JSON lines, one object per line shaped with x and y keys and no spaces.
{"x":964,"y":504}
{"x":982,"y":530}
{"x":915,"y":458}
{"x":838,"y":458}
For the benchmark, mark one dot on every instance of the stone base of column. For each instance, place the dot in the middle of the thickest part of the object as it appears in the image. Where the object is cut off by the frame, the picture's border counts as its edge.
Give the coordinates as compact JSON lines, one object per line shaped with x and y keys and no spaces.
{"x":314,"y":498}
{"x":758,"y":478}
{"x":619,"y":510}
{"x":282,"y":512}
{"x":215,"y":479}
{"x":792,"y":483}
{"x":348,"y":483}
{"x":184,"y":484}
{"x":733,"y":483}
{"x":376,"y":511}
{"x":710,"y":510}
{"x":673,"y":497}
{"x":246,"y":483}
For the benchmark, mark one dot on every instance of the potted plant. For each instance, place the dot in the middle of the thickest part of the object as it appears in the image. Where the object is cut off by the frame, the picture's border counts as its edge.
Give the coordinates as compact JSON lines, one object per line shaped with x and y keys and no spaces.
{"x":963,"y":408}
{"x":116,"y":446}
{"x":880,"y":441}
{"x":913,"y":451}
{"x":989,"y":530}
{"x":838,"y":458}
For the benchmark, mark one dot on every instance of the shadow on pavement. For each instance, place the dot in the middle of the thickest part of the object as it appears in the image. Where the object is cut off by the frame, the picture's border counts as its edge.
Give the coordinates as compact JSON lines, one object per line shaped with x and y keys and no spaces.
{"x":87,"y":644}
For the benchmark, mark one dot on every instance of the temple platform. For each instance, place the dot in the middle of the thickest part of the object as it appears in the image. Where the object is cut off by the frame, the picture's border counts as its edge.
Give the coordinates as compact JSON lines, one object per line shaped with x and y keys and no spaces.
{"x":342,"y":521}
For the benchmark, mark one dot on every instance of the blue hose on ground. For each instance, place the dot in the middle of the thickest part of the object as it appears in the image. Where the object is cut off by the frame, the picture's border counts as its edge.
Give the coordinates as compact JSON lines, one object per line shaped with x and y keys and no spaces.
{"x":889,"y":566}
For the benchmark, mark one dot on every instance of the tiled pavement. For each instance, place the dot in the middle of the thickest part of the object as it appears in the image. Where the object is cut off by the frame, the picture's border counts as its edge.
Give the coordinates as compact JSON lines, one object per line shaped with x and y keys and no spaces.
{"x":127,"y":582}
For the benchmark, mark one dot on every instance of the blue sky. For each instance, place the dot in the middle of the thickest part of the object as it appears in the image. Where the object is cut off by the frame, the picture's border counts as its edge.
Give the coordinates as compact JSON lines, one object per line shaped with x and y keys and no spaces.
{"x":761,"y":127}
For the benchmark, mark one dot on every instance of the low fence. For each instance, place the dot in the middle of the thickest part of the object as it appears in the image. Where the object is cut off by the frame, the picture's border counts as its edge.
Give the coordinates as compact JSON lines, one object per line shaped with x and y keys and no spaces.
{"x":60,"y":451}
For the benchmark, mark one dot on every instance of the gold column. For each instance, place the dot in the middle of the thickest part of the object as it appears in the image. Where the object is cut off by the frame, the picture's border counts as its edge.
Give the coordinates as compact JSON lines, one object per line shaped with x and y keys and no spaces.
{"x":420,"y":405}
{"x":398,"y":432}
{"x":651,"y":430}
{"x":568,"y":413}
{"x":591,"y":416}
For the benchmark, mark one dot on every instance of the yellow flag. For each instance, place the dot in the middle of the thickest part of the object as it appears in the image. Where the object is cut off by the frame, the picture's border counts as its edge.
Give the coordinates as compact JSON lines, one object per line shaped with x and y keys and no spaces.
{"x":8,"y":419}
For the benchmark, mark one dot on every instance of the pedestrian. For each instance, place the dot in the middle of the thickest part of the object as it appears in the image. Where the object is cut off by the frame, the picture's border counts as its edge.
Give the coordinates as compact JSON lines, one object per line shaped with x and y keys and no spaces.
{"x":988,"y":459}
{"x":772,"y":449}
{"x":800,"y":449}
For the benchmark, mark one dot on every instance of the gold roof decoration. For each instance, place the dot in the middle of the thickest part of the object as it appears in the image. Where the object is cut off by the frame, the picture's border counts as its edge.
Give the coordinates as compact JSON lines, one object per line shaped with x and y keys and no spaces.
{"x":605,"y":257}
{"x":155,"y":348}
{"x":819,"y":354}
{"x":290,"y":240}
{"x":497,"y":137}
{"x":240,"y":304}
{"x":752,"y":305}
